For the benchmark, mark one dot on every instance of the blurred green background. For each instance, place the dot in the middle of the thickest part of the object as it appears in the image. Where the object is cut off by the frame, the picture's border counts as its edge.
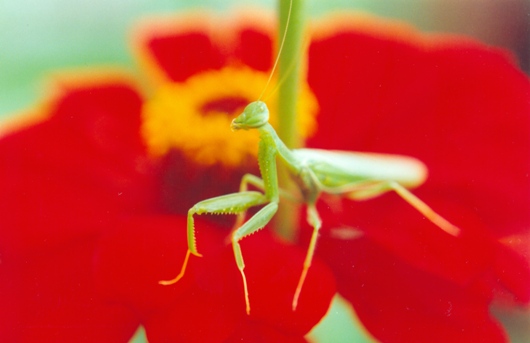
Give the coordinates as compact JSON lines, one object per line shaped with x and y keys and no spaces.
{"x":41,"y":36}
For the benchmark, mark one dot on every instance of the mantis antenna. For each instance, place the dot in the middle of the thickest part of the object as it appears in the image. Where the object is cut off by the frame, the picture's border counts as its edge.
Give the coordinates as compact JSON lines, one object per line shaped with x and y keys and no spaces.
{"x":288,"y":71}
{"x":279,"y":50}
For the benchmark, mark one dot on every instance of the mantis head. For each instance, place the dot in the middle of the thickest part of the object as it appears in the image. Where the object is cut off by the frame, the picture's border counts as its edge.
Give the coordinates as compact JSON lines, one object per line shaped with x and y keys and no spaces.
{"x":254,"y":115}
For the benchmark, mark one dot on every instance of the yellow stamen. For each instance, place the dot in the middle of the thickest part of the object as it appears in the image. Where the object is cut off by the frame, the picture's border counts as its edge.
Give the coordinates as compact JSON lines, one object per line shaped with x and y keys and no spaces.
{"x":194,"y":116}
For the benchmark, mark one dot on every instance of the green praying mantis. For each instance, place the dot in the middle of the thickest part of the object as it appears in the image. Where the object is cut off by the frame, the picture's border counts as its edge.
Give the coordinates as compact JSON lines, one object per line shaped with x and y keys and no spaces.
{"x":353,"y":175}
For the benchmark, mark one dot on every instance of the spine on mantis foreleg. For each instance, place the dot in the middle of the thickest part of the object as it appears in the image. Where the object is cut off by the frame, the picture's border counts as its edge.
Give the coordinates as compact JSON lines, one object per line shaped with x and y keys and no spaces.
{"x":192,"y":241}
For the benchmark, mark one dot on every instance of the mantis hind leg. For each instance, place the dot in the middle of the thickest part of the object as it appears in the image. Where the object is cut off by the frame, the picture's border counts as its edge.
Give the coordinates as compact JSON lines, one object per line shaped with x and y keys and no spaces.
{"x":360,"y":191}
{"x":255,"y":223}
{"x":235,"y":203}
{"x":424,"y":209}
{"x":314,"y":220}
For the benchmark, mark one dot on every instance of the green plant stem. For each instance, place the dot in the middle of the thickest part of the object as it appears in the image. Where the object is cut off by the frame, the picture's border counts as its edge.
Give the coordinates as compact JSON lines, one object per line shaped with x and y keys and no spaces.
{"x":289,"y":74}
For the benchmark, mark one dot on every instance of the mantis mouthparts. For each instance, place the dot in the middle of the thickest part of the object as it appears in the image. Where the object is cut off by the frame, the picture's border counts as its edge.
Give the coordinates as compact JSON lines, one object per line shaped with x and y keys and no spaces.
{"x":234,"y":126}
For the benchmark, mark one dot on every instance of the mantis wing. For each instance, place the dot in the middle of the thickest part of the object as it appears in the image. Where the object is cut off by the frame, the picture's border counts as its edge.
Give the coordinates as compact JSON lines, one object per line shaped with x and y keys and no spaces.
{"x":335,"y":168}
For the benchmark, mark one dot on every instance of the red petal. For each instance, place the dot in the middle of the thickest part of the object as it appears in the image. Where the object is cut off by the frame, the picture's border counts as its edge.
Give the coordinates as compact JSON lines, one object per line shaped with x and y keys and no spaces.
{"x":186,"y":46}
{"x":185,"y":54}
{"x":260,"y":333}
{"x":143,"y":251}
{"x":273,"y":271}
{"x":399,"y":303}
{"x":402,"y":230}
{"x":200,"y":316}
{"x":512,"y":269}
{"x":460,"y":108}
{"x":215,"y":311}
{"x":136,"y":254}
{"x":254,"y":48}
{"x":74,"y":171}
{"x":52,"y":298}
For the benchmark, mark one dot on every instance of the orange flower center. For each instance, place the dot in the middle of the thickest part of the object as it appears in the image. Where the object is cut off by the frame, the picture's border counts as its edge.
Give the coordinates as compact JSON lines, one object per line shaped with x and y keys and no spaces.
{"x":194,"y":116}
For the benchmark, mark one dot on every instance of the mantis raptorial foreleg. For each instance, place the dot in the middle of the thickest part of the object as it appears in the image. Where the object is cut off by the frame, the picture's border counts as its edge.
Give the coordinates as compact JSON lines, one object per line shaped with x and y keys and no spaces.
{"x":235,"y":203}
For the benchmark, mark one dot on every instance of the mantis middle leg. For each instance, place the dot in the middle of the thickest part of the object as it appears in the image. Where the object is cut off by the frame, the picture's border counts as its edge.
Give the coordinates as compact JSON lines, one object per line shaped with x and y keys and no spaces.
{"x":255,"y":223}
{"x":365,"y":190}
{"x":314,"y":220}
{"x":250,"y":179}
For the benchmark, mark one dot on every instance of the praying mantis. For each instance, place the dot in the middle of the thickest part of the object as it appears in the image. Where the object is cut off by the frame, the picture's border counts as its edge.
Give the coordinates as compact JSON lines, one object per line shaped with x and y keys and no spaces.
{"x":353,"y":175}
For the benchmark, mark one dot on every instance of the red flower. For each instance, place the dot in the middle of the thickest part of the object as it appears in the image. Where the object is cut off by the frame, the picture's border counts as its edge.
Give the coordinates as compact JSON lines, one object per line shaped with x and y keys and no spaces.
{"x":97,"y":194}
